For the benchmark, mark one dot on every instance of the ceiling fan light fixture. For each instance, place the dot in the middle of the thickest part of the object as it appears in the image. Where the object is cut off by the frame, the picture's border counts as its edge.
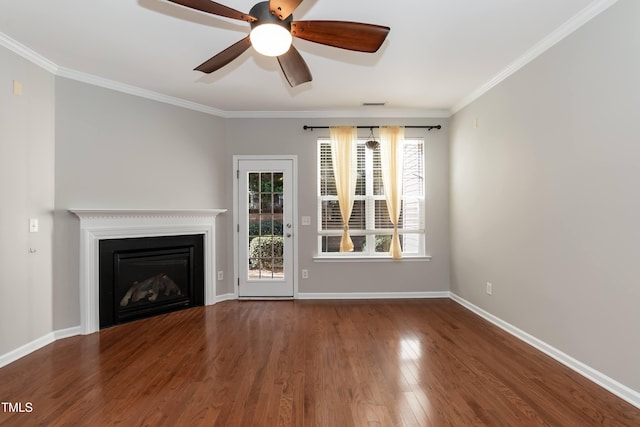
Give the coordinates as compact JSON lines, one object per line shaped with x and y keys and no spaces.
{"x":272,"y":30}
{"x":270,"y":39}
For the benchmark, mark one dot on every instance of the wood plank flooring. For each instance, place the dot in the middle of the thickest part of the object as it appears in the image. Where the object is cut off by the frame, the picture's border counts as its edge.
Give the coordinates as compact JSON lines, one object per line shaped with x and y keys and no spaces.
{"x":305,"y":363}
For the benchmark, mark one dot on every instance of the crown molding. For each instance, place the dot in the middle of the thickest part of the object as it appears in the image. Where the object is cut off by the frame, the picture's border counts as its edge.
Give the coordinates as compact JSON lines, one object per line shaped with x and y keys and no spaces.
{"x":28,"y":54}
{"x":136,"y":91}
{"x":539,"y":48}
{"x":39,"y":60}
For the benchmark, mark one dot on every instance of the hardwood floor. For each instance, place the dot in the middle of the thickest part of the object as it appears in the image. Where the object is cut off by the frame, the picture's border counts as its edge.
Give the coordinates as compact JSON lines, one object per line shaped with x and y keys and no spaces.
{"x":304,"y":363}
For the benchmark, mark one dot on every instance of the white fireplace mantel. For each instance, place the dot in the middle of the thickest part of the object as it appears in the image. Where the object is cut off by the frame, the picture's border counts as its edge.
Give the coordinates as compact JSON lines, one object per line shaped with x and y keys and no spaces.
{"x":100,"y":224}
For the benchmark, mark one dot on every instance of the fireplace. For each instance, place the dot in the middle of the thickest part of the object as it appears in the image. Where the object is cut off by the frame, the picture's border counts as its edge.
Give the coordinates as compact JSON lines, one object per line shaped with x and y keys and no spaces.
{"x":148,"y":276}
{"x":98,"y":225}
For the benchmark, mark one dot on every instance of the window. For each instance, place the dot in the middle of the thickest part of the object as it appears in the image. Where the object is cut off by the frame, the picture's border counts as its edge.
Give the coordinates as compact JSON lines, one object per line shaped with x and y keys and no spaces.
{"x":369,"y":226}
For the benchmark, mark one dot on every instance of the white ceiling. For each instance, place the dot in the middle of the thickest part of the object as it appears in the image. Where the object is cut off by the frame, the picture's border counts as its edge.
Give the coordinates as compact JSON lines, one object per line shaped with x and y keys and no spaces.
{"x":438,"y":55}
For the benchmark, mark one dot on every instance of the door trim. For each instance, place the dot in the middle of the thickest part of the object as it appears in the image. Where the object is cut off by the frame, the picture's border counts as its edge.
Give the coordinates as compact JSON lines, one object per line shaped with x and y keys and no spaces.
{"x":236,"y":244}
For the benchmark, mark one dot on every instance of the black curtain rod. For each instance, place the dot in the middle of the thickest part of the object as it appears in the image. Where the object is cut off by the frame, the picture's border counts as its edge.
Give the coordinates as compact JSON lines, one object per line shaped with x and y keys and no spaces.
{"x":305,"y":127}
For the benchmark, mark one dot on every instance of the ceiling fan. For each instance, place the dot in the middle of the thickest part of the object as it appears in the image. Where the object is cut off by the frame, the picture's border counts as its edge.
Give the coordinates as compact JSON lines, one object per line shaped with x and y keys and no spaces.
{"x":272,"y":29}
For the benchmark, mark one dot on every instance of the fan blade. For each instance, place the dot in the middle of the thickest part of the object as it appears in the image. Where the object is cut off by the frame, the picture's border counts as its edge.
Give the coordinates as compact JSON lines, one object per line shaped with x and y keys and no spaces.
{"x":224,"y":57}
{"x":346,"y":35}
{"x":294,"y":67}
{"x":283,"y":8}
{"x":215,"y":8}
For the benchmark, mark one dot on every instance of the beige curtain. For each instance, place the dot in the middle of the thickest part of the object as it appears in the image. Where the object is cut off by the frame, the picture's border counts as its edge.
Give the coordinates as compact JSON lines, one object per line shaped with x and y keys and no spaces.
{"x":391,"y":157}
{"x":345,"y":168}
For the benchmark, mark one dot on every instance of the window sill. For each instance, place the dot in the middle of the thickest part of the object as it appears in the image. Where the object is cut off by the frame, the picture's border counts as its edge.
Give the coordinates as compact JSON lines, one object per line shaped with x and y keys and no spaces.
{"x":364,"y":258}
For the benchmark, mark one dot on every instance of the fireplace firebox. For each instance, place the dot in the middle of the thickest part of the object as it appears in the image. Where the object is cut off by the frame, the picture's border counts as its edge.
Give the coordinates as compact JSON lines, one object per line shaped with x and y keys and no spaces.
{"x":148,"y":276}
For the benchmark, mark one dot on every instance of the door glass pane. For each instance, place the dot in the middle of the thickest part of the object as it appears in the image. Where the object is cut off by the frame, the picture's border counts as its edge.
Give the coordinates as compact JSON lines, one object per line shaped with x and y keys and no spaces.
{"x":278,"y":182}
{"x":266,"y":229}
{"x":267,"y":203}
{"x":254,"y":227}
{"x":254,"y":192}
{"x":278,"y":202}
{"x":266,"y":182}
{"x":254,"y":182}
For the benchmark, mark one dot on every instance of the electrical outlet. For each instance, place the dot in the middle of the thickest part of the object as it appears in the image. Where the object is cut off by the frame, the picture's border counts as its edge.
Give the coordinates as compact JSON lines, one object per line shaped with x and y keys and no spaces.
{"x":489,"y":288}
{"x":305,"y":274}
{"x":220,"y":275}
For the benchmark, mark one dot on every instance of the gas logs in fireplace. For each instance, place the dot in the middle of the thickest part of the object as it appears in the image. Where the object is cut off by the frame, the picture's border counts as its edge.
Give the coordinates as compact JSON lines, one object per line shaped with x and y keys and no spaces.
{"x":142,"y":277}
{"x":159,"y":285}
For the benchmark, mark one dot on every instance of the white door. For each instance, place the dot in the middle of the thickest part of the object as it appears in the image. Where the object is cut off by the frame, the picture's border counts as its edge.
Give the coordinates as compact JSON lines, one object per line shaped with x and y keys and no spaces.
{"x":265,"y":209}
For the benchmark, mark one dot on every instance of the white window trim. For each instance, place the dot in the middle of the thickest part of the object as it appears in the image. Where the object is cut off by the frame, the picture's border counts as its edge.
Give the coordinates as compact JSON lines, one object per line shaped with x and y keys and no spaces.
{"x":370,"y":258}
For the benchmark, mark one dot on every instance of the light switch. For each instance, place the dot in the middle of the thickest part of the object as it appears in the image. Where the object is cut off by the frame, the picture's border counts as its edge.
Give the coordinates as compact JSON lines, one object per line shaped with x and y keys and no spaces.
{"x":17,"y":88}
{"x":33,"y":225}
{"x":306,"y":220}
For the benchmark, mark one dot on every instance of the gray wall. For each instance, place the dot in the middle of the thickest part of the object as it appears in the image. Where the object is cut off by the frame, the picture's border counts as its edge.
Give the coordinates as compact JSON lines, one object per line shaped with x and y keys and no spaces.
{"x":115,"y":150}
{"x":286,"y":136}
{"x":544,"y":197}
{"x":26,"y":191}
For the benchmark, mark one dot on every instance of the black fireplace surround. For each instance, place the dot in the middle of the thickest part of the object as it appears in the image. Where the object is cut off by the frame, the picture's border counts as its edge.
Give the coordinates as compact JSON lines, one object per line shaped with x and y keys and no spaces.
{"x":148,"y":276}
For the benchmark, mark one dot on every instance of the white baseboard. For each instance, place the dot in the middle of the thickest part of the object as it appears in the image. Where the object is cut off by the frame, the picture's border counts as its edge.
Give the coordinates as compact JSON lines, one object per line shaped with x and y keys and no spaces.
{"x":225,"y":297}
{"x":373,"y":295}
{"x":620,"y":390}
{"x":26,"y":349}
{"x":66,"y":333}
{"x":37,"y":344}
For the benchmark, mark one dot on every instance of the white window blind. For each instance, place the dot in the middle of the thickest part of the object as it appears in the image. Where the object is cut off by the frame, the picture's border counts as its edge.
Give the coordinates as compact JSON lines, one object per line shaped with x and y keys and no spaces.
{"x":369,"y":224}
